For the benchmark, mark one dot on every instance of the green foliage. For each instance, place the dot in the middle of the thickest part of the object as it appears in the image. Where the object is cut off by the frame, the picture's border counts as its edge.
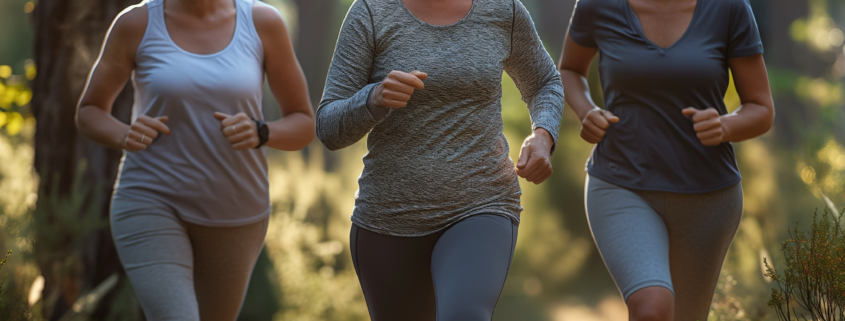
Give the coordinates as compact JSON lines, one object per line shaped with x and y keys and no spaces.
{"x":60,"y":221}
{"x":3,"y":262}
{"x":13,"y":308}
{"x":812,"y":285}
{"x":15,"y":96}
{"x":125,"y":305}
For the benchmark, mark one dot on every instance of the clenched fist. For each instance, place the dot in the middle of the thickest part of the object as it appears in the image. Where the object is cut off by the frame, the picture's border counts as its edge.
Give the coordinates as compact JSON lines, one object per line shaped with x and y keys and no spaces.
{"x":534,"y":162}
{"x":239,"y":129}
{"x":595,"y":125}
{"x":397,"y":88}
{"x":707,"y":125}
{"x":143,"y":131}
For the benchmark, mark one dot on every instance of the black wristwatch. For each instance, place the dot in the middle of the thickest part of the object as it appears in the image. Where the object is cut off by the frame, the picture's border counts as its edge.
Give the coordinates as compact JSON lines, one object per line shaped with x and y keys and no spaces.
{"x":263,"y":132}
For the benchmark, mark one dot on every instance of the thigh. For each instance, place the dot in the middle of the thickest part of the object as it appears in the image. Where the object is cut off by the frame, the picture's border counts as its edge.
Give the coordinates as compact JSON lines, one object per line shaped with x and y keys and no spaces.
{"x":630,"y":235}
{"x":701,"y":228}
{"x":395,"y":274}
{"x":469,"y":265}
{"x":224,"y":258}
{"x":155,"y":250}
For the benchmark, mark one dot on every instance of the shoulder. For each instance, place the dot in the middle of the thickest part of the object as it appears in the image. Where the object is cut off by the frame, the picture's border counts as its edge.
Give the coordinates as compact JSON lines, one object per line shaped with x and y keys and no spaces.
{"x":269,"y":25}
{"x":128,"y":29}
{"x":732,"y":6}
{"x":594,"y":6}
{"x":368,"y":8}
{"x":266,"y":16}
{"x":132,"y":21}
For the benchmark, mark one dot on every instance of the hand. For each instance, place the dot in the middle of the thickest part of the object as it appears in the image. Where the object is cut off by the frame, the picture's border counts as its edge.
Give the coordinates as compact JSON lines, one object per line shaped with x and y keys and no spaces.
{"x":397,"y":88}
{"x":595,"y":125}
{"x":143,"y":131}
{"x":707,"y":124}
{"x":239,"y":129}
{"x":534,"y":164}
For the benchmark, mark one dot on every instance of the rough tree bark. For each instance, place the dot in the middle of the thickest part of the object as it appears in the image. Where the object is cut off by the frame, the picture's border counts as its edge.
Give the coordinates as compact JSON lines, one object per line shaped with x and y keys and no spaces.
{"x":68,"y":35}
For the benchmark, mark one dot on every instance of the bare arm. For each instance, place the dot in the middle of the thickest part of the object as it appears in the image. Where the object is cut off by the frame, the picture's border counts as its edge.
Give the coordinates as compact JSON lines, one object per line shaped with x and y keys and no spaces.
{"x":574,"y":66}
{"x":287,"y":82}
{"x":107,"y":78}
{"x":757,"y":112}
{"x":753,"y":118}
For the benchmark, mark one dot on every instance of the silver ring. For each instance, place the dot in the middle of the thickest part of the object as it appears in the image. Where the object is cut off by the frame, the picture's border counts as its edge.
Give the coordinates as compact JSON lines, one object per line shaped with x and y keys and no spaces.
{"x":143,"y":137}
{"x":234,"y":130}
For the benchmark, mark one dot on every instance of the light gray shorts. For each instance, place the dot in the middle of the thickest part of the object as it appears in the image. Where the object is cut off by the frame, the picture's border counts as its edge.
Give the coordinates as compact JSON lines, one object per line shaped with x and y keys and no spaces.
{"x":671,"y":240}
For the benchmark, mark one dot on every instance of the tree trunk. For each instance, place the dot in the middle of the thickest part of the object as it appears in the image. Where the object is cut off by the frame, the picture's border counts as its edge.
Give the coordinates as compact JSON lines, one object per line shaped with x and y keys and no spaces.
{"x":68,"y":35}
{"x":315,"y":40}
{"x":553,"y":22}
{"x":316,"y":37}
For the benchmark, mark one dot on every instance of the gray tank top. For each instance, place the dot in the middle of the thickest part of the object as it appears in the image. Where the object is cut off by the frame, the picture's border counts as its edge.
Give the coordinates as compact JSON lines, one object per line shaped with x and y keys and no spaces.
{"x":195,"y":171}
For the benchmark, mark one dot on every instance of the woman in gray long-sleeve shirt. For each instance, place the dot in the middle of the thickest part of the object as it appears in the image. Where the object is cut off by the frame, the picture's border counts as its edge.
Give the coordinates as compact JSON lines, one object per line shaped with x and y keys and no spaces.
{"x":436,"y":215}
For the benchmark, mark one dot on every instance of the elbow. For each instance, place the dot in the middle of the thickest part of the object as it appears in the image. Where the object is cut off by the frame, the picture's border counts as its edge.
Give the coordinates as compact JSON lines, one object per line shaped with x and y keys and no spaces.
{"x":770,"y":119}
{"x":332,"y":148}
{"x":79,"y":120}
{"x":330,"y":144}
{"x":767,"y":116}
{"x":326,"y":138}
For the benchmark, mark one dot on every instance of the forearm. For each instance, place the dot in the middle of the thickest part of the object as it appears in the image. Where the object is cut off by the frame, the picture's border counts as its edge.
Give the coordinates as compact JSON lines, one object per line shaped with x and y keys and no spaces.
{"x":749,"y":121}
{"x":293,"y":132}
{"x":343,"y":122}
{"x":98,"y":125}
{"x":577,"y":92}
{"x":546,"y":109}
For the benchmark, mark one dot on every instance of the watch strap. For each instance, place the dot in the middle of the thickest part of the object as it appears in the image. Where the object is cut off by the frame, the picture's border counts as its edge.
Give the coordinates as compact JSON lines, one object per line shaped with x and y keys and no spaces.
{"x":263,"y":132}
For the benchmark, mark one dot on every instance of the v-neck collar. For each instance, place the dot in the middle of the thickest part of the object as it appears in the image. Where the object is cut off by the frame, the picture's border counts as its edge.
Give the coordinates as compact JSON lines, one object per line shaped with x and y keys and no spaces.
{"x":635,"y":23}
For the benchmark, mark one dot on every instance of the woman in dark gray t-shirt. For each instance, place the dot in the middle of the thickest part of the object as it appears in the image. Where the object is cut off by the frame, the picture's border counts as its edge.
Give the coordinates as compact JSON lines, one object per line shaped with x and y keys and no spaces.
{"x":436,"y":213}
{"x":662,"y":194}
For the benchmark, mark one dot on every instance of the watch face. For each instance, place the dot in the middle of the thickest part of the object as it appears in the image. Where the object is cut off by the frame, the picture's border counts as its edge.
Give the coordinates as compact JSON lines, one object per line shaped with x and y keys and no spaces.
{"x":263,"y":131}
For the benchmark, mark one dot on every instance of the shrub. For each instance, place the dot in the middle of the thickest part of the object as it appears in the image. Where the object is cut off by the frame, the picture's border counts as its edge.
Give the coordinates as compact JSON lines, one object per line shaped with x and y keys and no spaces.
{"x":812,"y":284}
{"x":3,"y":262}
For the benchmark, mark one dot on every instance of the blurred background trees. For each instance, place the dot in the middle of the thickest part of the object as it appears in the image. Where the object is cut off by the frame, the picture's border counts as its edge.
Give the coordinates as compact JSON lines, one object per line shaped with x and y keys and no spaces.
{"x":55,"y":184}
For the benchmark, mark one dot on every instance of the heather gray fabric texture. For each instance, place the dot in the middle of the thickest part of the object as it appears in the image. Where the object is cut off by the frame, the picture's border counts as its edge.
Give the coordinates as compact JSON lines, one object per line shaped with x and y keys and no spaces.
{"x":195,"y":171}
{"x":444,"y":156}
{"x":673,"y":240}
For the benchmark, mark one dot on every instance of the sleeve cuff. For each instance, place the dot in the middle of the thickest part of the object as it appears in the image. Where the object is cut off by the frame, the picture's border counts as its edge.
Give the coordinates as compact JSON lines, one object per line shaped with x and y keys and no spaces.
{"x":359,"y":109}
{"x":747,"y":51}
{"x":377,"y":113}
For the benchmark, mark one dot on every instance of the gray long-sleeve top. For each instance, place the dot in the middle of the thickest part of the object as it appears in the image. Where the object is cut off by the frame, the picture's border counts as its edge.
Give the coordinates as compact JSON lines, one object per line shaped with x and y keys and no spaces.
{"x":444,"y":156}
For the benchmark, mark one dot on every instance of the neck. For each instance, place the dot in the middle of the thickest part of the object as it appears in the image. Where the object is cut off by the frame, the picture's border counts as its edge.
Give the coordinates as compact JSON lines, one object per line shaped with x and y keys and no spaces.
{"x":202,"y":8}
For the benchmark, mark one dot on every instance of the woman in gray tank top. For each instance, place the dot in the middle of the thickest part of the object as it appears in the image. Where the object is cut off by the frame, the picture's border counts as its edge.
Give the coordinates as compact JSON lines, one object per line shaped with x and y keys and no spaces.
{"x":191,"y":203}
{"x":436,"y":214}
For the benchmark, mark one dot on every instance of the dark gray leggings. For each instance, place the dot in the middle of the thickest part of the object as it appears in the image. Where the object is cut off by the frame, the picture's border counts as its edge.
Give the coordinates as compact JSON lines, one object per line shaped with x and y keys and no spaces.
{"x":453,"y":275}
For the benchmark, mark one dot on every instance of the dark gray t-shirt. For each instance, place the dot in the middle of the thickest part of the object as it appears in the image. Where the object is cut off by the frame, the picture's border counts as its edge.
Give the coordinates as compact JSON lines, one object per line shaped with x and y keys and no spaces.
{"x":654,"y":146}
{"x":444,"y":156}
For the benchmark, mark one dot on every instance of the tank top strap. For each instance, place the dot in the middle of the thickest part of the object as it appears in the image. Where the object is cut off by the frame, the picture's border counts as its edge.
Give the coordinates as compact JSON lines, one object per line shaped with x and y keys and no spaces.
{"x":246,"y":26}
{"x":156,"y":29}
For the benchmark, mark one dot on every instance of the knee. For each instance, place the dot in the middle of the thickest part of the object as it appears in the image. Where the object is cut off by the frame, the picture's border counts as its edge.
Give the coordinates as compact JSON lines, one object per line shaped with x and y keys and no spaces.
{"x":649,"y":313}
{"x":651,"y":304}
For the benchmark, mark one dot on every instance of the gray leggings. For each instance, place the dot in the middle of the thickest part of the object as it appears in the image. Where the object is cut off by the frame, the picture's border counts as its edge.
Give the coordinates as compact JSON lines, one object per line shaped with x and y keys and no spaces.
{"x":671,"y":240}
{"x":453,"y":275}
{"x":182,"y":271}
